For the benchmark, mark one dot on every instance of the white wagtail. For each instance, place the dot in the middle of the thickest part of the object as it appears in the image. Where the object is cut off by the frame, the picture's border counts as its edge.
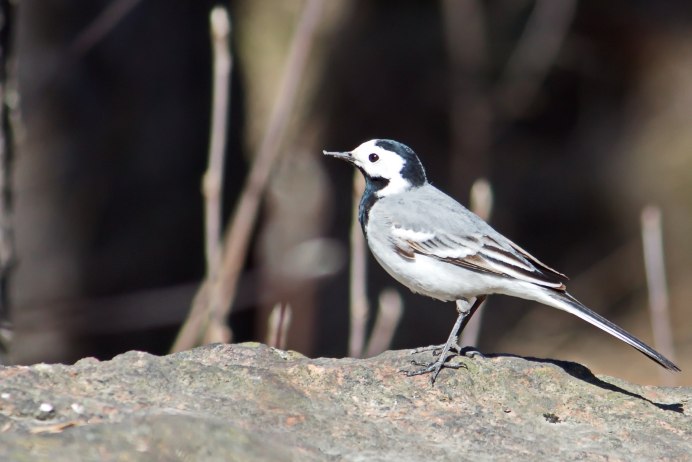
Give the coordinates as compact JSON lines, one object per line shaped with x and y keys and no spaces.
{"x":436,"y":247}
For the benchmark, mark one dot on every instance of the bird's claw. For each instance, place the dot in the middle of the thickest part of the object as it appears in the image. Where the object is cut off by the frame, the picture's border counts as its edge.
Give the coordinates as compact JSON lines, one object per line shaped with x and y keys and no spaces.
{"x":467,"y":351}
{"x":436,"y":366}
{"x":433,"y":368}
{"x":437,"y":349}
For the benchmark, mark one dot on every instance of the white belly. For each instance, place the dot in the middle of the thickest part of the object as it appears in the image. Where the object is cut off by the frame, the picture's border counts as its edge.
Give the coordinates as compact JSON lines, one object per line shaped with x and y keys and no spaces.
{"x":434,"y":278}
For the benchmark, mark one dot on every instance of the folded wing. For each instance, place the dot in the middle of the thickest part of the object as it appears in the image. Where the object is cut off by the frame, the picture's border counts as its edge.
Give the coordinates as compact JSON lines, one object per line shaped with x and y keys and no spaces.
{"x":477,"y":252}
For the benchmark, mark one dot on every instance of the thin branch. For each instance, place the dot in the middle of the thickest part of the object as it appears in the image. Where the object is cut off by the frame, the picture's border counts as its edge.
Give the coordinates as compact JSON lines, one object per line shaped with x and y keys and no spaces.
{"x":237,"y":237}
{"x":391,"y":307}
{"x":482,"y":198}
{"x":197,"y":325}
{"x":213,"y":178}
{"x":359,"y":306}
{"x":481,"y":205}
{"x":109,"y":18}
{"x":471,"y":114}
{"x":467,"y":45}
{"x":7,"y":244}
{"x":652,"y":239}
{"x":278,"y":325}
{"x":534,"y":54}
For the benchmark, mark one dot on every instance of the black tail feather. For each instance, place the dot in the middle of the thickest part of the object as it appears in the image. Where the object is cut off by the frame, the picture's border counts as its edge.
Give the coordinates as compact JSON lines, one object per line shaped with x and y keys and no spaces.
{"x":572,"y":305}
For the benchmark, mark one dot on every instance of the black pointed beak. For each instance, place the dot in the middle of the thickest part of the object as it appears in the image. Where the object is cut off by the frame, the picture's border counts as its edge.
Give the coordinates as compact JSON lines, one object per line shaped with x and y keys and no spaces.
{"x":340,"y":155}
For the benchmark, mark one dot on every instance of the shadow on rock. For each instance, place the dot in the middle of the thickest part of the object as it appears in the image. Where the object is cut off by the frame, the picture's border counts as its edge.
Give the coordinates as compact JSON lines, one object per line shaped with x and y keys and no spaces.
{"x":583,"y":373}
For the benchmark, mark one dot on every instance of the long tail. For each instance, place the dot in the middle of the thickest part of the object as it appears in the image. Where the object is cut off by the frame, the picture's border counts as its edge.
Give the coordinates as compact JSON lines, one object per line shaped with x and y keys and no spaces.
{"x":566,"y":302}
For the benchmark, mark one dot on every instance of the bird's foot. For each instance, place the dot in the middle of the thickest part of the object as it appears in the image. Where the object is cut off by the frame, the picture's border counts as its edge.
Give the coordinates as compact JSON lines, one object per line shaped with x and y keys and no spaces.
{"x":436,"y":366}
{"x":467,"y":351}
{"x":436,"y":349}
{"x":433,"y":368}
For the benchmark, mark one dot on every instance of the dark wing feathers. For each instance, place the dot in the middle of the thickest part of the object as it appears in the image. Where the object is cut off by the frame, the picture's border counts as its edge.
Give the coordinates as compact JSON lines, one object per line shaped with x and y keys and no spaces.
{"x":483,"y":254}
{"x":539,"y":264}
{"x":473,"y":262}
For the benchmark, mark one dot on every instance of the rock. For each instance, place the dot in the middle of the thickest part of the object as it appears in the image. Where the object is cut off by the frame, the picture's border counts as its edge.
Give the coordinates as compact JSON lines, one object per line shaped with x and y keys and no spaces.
{"x":251,"y":402}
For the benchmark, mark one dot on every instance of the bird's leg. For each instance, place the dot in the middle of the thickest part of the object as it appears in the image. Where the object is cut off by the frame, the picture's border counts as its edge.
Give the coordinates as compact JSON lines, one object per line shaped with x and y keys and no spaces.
{"x":468,"y":313}
{"x":465,"y":351}
{"x":469,"y":351}
{"x":465,"y":314}
{"x":435,"y":367}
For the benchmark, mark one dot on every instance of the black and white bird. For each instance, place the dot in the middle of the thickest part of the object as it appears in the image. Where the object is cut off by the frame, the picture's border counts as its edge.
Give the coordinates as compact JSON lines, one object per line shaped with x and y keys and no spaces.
{"x":436,"y":247}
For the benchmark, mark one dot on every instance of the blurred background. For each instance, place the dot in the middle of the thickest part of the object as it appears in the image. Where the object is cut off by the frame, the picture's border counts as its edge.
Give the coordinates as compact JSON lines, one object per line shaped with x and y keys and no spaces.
{"x":577,"y":113}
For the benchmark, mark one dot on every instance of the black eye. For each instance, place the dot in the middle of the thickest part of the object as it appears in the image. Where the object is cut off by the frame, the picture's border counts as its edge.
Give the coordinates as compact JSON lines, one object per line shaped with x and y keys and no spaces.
{"x":373,"y":157}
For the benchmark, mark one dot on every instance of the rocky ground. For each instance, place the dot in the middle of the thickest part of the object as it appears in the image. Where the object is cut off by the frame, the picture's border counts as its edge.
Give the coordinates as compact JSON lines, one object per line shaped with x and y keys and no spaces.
{"x":251,"y":402}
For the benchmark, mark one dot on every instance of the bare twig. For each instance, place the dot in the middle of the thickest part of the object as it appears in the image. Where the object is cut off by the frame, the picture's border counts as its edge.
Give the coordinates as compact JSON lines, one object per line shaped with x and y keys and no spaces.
{"x":388,"y":317}
{"x":194,"y":328}
{"x":360,"y":308}
{"x":237,"y":237}
{"x":192,"y":331}
{"x":102,"y":26}
{"x":279,"y":322}
{"x":652,"y":239}
{"x":482,"y":198}
{"x":534,"y":54}
{"x":213,"y":177}
{"x":481,"y":205}
{"x":7,"y":248}
{"x":467,"y":44}
{"x":470,"y":112}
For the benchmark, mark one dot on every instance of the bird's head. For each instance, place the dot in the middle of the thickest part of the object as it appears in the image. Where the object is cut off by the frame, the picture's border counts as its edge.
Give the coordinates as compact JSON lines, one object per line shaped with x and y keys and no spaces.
{"x":388,"y":166}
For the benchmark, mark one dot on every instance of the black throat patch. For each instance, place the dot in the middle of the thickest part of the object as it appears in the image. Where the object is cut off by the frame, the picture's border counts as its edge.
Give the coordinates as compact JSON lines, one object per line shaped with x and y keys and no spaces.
{"x":372,"y":185}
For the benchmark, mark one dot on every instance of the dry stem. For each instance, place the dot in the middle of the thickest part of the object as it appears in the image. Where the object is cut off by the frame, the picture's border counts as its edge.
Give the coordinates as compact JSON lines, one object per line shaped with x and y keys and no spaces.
{"x":221,"y":291}
{"x":360,"y":308}
{"x":652,"y":239}
{"x":391,"y":307}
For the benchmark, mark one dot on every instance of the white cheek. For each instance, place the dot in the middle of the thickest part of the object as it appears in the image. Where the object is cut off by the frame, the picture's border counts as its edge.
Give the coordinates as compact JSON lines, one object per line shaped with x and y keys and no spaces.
{"x":396,"y":185}
{"x":388,"y":166}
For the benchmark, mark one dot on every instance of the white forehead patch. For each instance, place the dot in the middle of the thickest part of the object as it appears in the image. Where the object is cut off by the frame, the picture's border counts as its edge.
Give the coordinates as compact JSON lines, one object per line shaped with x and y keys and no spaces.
{"x":388,"y":165}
